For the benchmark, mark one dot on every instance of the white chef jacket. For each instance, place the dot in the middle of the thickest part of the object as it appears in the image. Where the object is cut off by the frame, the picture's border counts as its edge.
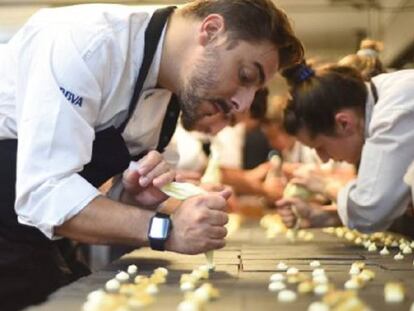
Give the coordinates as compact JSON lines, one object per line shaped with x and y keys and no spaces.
{"x":300,"y":153}
{"x":228,"y":143}
{"x":378,"y":195}
{"x":68,"y":73}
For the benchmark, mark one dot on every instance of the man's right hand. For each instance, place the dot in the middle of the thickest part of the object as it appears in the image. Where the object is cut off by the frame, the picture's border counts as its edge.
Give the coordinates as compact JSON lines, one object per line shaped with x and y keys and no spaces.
{"x":198,"y":224}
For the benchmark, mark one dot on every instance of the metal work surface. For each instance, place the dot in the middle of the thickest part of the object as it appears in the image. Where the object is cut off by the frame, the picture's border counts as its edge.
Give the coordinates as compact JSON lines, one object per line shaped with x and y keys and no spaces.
{"x":242,"y":273}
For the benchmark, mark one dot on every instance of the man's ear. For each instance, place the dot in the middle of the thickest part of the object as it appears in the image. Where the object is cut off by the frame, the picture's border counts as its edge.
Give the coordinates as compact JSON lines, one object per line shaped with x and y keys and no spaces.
{"x":346,"y":123}
{"x":210,"y":28}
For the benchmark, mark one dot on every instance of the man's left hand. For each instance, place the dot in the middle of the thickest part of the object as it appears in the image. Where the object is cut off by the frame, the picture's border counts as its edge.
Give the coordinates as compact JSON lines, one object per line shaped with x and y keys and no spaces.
{"x":142,"y":183}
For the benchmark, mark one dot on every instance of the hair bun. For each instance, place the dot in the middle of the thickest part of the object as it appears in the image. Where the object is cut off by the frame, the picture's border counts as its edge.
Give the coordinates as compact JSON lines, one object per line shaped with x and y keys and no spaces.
{"x":298,"y":73}
{"x":371,"y":44}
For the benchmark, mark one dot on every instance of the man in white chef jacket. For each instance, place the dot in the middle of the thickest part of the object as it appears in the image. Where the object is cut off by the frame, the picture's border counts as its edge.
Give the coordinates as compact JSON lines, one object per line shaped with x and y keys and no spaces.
{"x":67,"y":122}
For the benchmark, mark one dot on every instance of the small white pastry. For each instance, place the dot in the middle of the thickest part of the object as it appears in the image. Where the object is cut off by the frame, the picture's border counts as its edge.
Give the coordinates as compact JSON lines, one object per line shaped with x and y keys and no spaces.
{"x":202,"y":294}
{"x":384,"y":251}
{"x":189,"y":305}
{"x":282,"y":266}
{"x":352,"y":284}
{"x":407,"y":250}
{"x":161,"y":270}
{"x":355,"y":268}
{"x":132,"y":269}
{"x":286,"y":295}
{"x":122,"y":277}
{"x":372,"y":248}
{"x":358,"y":241}
{"x":366,"y":275}
{"x":394,"y":292}
{"x":200,"y":274}
{"x":187,"y":286}
{"x":275,"y":277}
{"x":139,"y":278}
{"x":350,"y":236}
{"x":318,"y":306}
{"x":399,"y":256}
{"x":329,"y":230}
{"x":320,"y":279}
{"x":305,"y":287}
{"x":394,"y":243}
{"x":309,"y":236}
{"x":301,"y":234}
{"x":315,"y":263}
{"x":276,"y":286}
{"x":91,"y":306}
{"x":292,"y":271}
{"x":152,"y":289}
{"x":321,"y":289}
{"x":318,"y":271}
{"x":96,"y":295}
{"x":112,"y":286}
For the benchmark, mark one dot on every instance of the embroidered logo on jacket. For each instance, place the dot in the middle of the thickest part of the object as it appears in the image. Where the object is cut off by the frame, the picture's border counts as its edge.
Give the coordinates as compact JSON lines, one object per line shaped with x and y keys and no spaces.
{"x":71,"y":97}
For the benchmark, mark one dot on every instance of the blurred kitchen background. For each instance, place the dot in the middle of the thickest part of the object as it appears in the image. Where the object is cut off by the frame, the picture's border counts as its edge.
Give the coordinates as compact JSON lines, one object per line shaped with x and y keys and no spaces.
{"x":330,"y":29}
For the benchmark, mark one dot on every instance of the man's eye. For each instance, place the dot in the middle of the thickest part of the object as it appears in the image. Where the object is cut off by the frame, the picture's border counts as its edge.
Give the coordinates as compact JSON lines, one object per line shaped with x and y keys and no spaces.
{"x":244,"y":77}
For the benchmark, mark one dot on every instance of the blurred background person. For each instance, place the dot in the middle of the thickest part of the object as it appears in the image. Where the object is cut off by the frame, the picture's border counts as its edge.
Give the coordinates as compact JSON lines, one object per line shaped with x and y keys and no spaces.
{"x":366,"y":60}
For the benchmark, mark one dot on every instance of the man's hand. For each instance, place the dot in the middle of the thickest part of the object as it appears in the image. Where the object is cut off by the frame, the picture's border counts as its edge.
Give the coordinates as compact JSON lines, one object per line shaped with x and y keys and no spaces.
{"x":313,"y":180}
{"x":142,"y":184}
{"x":284,"y":209}
{"x":198,"y":224}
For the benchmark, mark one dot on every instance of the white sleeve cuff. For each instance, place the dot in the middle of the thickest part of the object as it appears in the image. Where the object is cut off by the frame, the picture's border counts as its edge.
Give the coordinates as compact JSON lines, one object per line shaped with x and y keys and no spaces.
{"x":61,"y":201}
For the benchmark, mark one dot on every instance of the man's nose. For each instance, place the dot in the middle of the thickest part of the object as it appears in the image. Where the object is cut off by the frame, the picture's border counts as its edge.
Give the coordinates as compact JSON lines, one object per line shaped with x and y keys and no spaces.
{"x":243,"y":99}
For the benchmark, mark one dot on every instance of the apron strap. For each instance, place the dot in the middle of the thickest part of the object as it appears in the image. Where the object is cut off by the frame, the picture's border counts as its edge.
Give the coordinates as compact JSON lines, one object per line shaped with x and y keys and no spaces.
{"x":169,"y":124}
{"x":374,"y":91}
{"x":152,"y":37}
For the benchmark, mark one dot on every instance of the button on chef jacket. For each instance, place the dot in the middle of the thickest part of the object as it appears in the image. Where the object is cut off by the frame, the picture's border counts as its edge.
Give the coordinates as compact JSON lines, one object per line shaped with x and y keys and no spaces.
{"x":68,"y":73}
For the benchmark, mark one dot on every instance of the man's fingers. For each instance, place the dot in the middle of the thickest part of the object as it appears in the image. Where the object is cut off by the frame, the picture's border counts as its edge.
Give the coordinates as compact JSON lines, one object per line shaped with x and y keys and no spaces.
{"x":130,"y":179}
{"x":149,"y":162}
{"x":217,"y":218}
{"x":285,"y":202}
{"x":214,"y":201}
{"x":226,"y":193}
{"x":216,"y":244}
{"x":285,"y":212}
{"x":217,"y":232}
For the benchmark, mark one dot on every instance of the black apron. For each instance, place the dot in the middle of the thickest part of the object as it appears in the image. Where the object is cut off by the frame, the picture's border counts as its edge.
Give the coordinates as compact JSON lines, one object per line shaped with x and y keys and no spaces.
{"x":31,"y":265}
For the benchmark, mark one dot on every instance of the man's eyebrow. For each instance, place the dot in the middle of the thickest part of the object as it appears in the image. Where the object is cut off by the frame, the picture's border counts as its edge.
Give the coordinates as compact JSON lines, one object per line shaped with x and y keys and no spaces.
{"x":261,"y":72}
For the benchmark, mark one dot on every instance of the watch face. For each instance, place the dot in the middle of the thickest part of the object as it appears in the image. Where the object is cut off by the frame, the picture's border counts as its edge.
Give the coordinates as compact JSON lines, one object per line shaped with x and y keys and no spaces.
{"x":159,"y":228}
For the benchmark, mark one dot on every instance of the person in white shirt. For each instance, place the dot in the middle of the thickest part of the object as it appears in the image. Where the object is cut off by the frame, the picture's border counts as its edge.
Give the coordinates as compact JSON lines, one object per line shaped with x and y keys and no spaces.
{"x":85,"y":90}
{"x":367,"y":124}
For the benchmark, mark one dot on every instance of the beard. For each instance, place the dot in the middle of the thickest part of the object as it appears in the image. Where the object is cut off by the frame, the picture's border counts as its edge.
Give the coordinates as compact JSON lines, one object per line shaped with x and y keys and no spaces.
{"x":197,"y":87}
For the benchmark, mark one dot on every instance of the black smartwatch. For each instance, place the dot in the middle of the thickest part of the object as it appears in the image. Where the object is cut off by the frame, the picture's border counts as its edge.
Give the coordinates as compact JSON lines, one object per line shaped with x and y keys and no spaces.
{"x":159,"y":230}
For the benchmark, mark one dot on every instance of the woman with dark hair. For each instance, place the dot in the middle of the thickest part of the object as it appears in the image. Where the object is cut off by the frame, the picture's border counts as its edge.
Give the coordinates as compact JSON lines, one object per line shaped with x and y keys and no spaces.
{"x":367,"y":124}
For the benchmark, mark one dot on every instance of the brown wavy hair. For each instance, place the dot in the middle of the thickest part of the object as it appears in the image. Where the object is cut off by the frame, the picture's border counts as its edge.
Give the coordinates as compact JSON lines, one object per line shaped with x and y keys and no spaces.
{"x":253,"y":21}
